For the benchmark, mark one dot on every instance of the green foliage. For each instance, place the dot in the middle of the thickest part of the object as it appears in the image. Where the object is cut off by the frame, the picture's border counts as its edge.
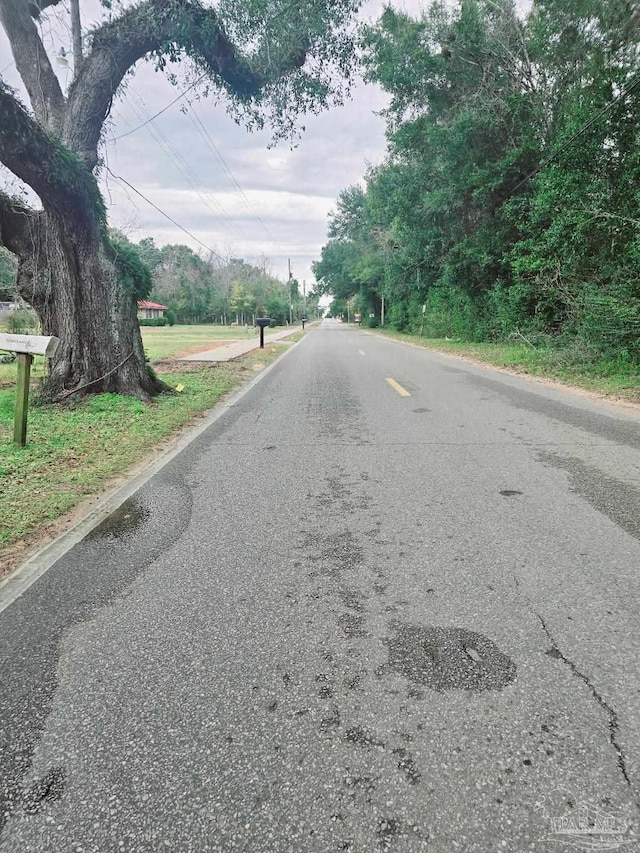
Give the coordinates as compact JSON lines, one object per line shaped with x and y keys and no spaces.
{"x":8,"y":268}
{"x":488,"y":208}
{"x":134,"y":274}
{"x":22,"y":322}
{"x":200,"y":290}
{"x":170,"y":316}
{"x":314,"y":39}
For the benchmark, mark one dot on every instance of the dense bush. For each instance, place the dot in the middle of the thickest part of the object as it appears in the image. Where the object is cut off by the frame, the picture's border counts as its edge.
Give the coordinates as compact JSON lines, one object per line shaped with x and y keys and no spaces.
{"x":154,"y":321}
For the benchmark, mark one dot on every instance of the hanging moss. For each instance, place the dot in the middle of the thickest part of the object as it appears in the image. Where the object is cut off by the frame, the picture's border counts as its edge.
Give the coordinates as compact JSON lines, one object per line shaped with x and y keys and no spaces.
{"x":75,"y":179}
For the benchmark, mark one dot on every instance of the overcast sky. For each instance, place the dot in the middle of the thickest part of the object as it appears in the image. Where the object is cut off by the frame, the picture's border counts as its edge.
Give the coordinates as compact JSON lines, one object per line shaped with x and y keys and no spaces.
{"x":280,"y":213}
{"x":287,"y":194}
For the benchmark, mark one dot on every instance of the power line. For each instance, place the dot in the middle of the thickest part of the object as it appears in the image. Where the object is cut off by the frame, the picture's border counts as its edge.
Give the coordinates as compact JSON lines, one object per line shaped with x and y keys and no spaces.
{"x":163,"y":110}
{"x":185,"y":169}
{"x":166,"y":215}
{"x":187,"y":173}
{"x":216,"y":151}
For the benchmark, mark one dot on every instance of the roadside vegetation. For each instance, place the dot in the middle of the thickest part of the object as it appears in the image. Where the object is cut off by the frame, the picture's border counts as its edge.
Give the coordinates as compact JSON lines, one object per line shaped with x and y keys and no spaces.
{"x":569,"y":366}
{"x":165,"y":342}
{"x":506,"y":213}
{"x":77,"y":450}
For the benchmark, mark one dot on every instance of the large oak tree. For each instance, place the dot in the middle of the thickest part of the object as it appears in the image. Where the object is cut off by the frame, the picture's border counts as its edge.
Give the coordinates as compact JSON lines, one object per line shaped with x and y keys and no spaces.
{"x":272,"y":58}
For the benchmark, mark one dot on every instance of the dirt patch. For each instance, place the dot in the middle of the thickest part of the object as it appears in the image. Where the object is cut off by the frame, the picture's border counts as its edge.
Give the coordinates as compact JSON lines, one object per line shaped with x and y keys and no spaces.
{"x":174,"y":365}
{"x":206,"y":347}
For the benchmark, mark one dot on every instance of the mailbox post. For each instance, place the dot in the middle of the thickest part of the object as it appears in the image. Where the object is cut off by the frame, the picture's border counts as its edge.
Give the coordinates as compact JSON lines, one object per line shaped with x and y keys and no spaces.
{"x":262,"y":323}
{"x":25,"y":360}
{"x":25,"y":347}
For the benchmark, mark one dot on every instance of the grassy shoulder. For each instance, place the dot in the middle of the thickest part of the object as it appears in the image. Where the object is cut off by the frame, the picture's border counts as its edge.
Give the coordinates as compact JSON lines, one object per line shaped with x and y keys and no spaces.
{"x":610,"y":378}
{"x":79,"y":449}
{"x":160,"y":342}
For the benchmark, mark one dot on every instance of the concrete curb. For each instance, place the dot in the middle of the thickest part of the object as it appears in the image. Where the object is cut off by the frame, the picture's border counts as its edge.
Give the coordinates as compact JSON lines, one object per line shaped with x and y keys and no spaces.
{"x":27,"y":573}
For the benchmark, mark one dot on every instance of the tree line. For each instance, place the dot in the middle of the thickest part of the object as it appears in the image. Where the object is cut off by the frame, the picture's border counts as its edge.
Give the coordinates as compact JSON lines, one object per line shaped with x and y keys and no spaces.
{"x":217,"y":290}
{"x":508,"y":203}
{"x":194,"y":288}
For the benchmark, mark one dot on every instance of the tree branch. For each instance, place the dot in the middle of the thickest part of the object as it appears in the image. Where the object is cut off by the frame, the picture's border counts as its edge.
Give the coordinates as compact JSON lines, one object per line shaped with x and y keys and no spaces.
{"x":33,"y":63}
{"x":162,"y":27}
{"x":65,"y":187}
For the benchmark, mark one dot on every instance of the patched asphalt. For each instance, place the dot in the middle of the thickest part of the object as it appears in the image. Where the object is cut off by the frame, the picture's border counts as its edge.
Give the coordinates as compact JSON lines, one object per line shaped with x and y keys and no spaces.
{"x":343,"y":620}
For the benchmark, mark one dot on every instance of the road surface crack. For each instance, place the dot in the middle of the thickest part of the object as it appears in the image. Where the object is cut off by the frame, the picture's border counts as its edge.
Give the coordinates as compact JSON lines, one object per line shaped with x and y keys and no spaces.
{"x":613,"y":726}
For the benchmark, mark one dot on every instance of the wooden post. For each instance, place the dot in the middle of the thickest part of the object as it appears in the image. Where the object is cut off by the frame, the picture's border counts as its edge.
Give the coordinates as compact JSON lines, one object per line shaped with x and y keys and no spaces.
{"x":25,"y":360}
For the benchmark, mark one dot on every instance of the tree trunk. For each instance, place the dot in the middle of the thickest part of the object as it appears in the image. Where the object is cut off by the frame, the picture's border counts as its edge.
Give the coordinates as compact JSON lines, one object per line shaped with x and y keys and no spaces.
{"x":75,"y":290}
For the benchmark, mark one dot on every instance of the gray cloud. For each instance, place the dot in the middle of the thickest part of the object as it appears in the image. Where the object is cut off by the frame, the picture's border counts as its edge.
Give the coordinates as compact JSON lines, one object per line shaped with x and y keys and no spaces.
{"x":289,"y":191}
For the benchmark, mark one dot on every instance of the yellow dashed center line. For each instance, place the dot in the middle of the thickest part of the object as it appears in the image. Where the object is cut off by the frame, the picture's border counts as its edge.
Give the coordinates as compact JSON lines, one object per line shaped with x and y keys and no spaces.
{"x":362,"y":352}
{"x":397,"y":387}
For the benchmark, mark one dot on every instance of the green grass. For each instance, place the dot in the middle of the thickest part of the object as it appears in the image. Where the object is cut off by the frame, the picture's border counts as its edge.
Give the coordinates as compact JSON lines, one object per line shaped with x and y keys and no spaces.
{"x":569,"y":366}
{"x":8,"y":371}
{"x":74,"y":450}
{"x":159,"y":342}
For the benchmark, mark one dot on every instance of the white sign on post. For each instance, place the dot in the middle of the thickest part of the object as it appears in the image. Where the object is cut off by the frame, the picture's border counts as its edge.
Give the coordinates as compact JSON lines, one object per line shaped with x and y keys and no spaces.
{"x":31,"y":344}
{"x":26,"y":346}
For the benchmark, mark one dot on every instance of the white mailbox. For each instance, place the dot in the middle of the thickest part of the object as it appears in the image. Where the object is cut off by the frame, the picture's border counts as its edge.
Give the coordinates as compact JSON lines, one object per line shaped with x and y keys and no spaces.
{"x":31,"y":344}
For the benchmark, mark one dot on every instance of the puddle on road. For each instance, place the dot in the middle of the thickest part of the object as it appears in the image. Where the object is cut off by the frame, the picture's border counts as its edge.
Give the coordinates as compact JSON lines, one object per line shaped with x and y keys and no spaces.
{"x":124,"y":521}
{"x":449,"y":658}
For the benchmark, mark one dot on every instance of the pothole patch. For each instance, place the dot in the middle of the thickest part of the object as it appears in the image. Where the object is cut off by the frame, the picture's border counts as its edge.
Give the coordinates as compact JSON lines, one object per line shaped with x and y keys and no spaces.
{"x":449,"y":658}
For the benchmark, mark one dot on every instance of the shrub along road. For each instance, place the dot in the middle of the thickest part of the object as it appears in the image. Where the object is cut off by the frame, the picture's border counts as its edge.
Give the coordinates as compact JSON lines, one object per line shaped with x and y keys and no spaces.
{"x":388,"y":601}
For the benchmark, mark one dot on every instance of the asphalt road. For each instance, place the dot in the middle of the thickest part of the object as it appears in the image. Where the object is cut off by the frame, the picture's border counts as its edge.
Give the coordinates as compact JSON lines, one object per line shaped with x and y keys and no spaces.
{"x":350,"y":616}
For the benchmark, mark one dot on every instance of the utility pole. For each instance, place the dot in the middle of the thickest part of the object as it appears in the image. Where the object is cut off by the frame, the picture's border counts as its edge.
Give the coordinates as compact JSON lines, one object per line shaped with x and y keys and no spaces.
{"x":290,"y":296}
{"x":76,"y":34}
{"x":304,"y":297}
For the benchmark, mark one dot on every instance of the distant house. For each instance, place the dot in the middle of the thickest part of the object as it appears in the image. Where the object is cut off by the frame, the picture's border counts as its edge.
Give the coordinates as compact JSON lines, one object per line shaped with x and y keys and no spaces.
{"x":150,"y":310}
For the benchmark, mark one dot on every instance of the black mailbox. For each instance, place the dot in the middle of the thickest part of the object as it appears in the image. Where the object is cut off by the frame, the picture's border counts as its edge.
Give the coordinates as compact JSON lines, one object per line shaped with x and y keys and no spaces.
{"x":261,"y":323}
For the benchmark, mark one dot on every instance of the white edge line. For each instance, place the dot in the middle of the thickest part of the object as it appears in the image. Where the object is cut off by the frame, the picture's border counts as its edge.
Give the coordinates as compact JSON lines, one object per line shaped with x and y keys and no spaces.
{"x":28,"y":572}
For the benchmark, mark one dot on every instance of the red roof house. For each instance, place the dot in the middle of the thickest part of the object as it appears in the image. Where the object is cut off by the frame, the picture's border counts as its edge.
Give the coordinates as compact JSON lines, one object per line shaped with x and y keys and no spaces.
{"x":150,"y":310}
